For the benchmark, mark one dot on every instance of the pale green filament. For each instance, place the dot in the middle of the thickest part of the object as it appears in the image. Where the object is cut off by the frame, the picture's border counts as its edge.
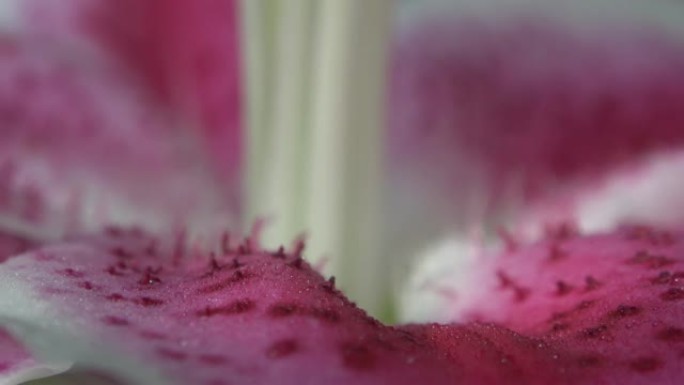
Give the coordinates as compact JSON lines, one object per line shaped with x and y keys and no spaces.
{"x":316,"y":150}
{"x":258,"y":39}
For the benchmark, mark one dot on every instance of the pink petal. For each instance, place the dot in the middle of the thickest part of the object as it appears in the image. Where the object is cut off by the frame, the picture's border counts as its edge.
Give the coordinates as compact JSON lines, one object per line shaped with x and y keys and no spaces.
{"x":244,"y":317}
{"x":186,"y":52}
{"x":84,"y":146}
{"x":17,"y":365}
{"x":510,"y":107}
{"x":13,"y":244}
{"x":616,"y":300}
{"x":120,"y":304}
{"x":195,"y":65}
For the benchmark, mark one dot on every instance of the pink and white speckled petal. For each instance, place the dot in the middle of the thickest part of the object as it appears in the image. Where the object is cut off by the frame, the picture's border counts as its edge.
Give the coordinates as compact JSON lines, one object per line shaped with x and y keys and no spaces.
{"x":603,"y":309}
{"x":618,"y":297}
{"x":240,"y":316}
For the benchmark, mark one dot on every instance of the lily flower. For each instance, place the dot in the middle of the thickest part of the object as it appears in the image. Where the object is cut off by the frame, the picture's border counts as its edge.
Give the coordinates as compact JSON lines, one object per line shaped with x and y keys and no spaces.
{"x":123,"y":165}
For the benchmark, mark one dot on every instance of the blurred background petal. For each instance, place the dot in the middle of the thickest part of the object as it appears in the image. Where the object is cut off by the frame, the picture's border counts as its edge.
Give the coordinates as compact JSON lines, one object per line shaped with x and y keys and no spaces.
{"x":512,"y":118}
{"x":114,"y":116}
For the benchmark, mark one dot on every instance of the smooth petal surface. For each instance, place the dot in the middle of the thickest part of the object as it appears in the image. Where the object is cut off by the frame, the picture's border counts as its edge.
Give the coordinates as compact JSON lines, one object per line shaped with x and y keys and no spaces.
{"x":12,"y":244}
{"x":650,"y":194}
{"x":85,"y":147}
{"x":491,"y":111}
{"x":16,"y":363}
{"x":185,"y":52}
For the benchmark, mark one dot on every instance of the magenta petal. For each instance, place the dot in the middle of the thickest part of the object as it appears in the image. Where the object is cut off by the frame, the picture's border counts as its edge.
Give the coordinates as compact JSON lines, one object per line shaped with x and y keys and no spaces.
{"x":121,"y":304}
{"x":616,"y":300}
{"x":241,"y":317}
{"x":17,"y":365}
{"x":195,"y":65}
{"x":84,"y":146}
{"x":13,"y":357}
{"x":509,"y":107}
{"x":13,"y":244}
{"x":186,"y":52}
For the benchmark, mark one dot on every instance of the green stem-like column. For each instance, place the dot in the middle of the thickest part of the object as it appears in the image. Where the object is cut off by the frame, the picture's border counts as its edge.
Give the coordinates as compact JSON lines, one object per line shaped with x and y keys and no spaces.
{"x":321,"y":172}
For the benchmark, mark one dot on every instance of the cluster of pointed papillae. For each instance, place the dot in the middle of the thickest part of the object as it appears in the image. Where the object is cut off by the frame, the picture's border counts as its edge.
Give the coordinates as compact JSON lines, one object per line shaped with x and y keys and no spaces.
{"x":111,"y":138}
{"x":607,"y":309}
